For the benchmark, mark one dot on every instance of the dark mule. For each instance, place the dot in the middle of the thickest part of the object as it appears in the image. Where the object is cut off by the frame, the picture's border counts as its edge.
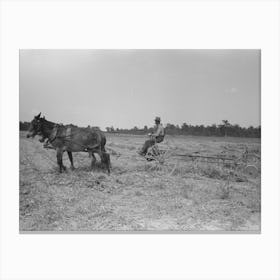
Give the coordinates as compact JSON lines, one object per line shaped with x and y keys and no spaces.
{"x":70,"y":138}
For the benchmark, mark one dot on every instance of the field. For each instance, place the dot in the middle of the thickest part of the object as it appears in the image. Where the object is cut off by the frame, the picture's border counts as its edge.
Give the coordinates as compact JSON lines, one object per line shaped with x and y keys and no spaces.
{"x":178,"y":195}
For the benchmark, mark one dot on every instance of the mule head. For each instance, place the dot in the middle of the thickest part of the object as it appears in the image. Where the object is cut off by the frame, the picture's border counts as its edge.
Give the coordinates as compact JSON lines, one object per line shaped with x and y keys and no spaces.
{"x":34,"y":127}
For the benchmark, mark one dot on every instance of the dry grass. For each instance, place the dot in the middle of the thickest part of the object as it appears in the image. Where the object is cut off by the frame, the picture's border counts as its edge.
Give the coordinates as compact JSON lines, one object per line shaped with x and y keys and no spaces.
{"x":139,"y":195}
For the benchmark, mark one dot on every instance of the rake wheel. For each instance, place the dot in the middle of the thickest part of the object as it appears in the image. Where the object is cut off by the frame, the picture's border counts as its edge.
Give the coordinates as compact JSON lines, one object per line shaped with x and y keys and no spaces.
{"x":161,"y":160}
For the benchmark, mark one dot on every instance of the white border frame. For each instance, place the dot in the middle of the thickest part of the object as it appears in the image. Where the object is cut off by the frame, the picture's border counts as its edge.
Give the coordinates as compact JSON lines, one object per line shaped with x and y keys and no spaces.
{"x":155,"y":24}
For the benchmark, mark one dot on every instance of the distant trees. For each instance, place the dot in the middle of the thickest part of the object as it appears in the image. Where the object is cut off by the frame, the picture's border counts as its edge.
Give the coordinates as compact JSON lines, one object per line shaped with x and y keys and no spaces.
{"x":145,"y":129}
{"x":221,"y":130}
{"x":24,"y":125}
{"x":95,"y":127}
{"x":110,"y":129}
{"x":224,"y":127}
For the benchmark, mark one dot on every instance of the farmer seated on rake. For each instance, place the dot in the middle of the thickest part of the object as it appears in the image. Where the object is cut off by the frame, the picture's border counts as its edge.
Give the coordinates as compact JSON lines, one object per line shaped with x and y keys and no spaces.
{"x":156,"y":137}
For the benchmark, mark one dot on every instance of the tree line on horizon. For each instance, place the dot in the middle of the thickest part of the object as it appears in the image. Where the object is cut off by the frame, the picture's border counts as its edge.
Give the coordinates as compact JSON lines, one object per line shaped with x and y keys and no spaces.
{"x":221,"y":130}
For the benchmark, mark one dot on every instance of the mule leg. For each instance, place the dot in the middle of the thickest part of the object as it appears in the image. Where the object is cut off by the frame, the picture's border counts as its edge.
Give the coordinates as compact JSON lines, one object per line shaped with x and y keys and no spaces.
{"x":106,"y":156}
{"x":99,"y":152}
{"x":105,"y":160}
{"x":59,"y":154}
{"x":103,"y":148}
{"x":93,"y":160}
{"x":71,"y":159}
{"x":103,"y":143}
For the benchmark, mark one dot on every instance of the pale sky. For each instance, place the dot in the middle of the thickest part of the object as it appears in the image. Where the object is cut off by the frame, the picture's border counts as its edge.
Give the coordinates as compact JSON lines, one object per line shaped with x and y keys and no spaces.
{"x":127,"y":88}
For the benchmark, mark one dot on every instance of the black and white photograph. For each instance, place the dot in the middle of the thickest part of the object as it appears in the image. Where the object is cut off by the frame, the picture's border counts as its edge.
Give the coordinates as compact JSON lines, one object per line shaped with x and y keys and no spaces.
{"x":140,"y":140}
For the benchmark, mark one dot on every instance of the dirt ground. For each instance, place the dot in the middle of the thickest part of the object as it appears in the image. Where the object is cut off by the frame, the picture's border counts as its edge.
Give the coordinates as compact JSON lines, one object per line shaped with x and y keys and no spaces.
{"x":179,"y":194}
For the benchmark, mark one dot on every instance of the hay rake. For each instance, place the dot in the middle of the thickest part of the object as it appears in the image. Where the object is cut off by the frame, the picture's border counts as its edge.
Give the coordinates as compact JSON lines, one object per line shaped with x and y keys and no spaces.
{"x":160,"y":156}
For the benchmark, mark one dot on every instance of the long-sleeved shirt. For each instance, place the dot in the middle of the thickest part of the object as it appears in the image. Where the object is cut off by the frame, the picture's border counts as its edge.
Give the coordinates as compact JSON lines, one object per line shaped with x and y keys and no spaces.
{"x":159,"y":130}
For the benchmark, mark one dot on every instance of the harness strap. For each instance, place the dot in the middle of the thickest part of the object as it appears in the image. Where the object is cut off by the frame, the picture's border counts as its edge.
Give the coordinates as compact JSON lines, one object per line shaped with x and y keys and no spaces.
{"x":68,"y":132}
{"x":66,"y":135}
{"x":53,"y":135}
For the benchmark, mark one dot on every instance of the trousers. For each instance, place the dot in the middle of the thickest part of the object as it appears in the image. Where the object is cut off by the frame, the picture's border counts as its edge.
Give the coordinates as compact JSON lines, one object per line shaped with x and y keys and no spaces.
{"x":151,"y":142}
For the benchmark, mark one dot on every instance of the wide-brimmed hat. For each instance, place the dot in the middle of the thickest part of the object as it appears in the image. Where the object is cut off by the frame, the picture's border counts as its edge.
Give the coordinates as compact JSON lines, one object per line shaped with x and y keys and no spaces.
{"x":157,"y":119}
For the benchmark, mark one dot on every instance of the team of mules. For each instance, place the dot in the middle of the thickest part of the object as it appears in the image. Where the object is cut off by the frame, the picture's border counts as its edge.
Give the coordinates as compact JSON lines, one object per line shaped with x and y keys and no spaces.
{"x":70,"y":138}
